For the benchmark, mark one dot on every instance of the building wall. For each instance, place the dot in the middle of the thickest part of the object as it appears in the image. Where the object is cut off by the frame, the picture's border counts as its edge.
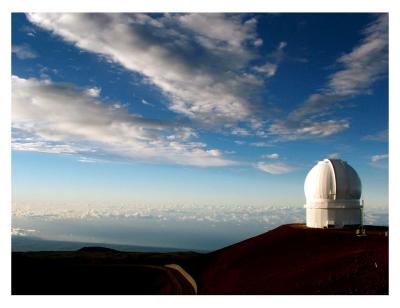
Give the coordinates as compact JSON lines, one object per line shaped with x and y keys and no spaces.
{"x":337,"y":217}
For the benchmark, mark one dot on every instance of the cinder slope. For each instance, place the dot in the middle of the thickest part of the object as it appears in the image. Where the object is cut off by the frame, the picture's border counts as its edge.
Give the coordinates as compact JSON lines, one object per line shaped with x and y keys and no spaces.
{"x":293,"y":259}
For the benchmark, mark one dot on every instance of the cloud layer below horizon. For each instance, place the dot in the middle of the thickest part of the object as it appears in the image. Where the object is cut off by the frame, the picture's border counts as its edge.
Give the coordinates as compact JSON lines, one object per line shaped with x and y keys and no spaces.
{"x":180,"y":226}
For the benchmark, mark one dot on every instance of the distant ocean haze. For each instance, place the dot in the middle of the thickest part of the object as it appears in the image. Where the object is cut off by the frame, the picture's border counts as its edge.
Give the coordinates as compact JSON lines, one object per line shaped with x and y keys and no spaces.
{"x":198,"y":228}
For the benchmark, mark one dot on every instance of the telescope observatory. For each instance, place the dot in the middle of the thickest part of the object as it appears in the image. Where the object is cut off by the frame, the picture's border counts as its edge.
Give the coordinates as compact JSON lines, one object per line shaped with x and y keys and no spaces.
{"x":333,"y":191}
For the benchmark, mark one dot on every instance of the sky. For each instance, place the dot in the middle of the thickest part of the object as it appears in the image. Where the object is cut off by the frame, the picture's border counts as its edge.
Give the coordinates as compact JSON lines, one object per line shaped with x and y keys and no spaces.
{"x":215,"y":115}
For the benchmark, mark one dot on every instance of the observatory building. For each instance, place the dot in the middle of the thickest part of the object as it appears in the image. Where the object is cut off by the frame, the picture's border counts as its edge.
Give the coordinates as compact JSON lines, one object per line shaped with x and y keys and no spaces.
{"x":333,"y":191}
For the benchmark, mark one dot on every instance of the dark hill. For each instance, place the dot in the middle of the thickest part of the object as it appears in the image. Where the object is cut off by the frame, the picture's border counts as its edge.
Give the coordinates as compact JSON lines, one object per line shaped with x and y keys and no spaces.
{"x":96,"y":249}
{"x":31,"y":243}
{"x":293,"y":259}
{"x":290,"y":259}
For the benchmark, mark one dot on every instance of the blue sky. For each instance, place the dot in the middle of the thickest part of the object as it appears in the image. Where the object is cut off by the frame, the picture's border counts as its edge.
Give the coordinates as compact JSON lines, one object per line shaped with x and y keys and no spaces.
{"x":194,"y":109}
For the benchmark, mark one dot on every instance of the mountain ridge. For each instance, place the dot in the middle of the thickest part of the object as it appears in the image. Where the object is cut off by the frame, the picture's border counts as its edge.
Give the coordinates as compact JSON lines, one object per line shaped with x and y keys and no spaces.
{"x":32,"y":243}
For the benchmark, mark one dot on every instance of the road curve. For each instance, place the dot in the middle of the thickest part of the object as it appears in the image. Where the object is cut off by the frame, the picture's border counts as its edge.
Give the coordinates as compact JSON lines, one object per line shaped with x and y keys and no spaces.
{"x":178,"y":270}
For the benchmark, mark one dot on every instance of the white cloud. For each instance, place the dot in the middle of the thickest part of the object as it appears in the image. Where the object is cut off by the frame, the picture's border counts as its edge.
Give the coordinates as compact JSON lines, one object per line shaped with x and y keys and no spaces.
{"x":221,"y":28}
{"x":261,"y":134}
{"x":268,"y":68}
{"x":208,"y":86}
{"x":282,"y":45}
{"x":61,"y":118}
{"x":365,"y":63}
{"x":271,"y":156}
{"x":144,"y":102}
{"x":45,"y":147}
{"x":28,"y":30}
{"x":360,"y":68}
{"x":271,"y":66}
{"x":46,"y":72}
{"x":183,"y":133}
{"x":376,"y":158}
{"x":258,"y":42}
{"x":94,"y":92}
{"x":278,"y":214}
{"x":381,"y":136}
{"x":275,"y":215}
{"x":261,"y":144}
{"x":214,"y":152}
{"x":89,"y":160}
{"x":315,"y":104}
{"x":24,"y":52}
{"x":239,"y":131}
{"x":333,"y":155}
{"x":292,"y":130}
{"x":21,"y":231}
{"x":275,"y":168}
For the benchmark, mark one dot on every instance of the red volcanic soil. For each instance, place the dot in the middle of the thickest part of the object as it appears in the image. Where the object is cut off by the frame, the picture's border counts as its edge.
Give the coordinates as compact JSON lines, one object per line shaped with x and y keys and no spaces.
{"x":294,"y":259}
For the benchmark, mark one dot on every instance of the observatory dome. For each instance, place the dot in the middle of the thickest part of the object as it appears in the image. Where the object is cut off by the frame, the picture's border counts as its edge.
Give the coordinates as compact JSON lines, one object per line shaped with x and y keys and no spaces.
{"x":333,"y":191}
{"x":332,"y":179}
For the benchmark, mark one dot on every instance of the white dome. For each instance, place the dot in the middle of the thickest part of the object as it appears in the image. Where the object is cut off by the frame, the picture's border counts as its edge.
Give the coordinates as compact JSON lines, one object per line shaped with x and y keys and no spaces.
{"x":332,"y":179}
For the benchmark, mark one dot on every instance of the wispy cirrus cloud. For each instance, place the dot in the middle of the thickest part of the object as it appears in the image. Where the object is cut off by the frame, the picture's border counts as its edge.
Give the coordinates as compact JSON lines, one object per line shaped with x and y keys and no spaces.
{"x":24,"y":52}
{"x":275,"y":168}
{"x":306,"y":129}
{"x":381,"y":136}
{"x":144,"y":102}
{"x":198,"y":60}
{"x":20,"y":144}
{"x":271,"y":156}
{"x":262,"y":144}
{"x":365,"y":64}
{"x":51,"y":117}
{"x":273,"y":60}
{"x":90,"y":160}
{"x":239,"y":131}
{"x":379,"y":157}
{"x":333,"y":155}
{"x":268,"y":68}
{"x":359,"y":69}
{"x":379,"y":161}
